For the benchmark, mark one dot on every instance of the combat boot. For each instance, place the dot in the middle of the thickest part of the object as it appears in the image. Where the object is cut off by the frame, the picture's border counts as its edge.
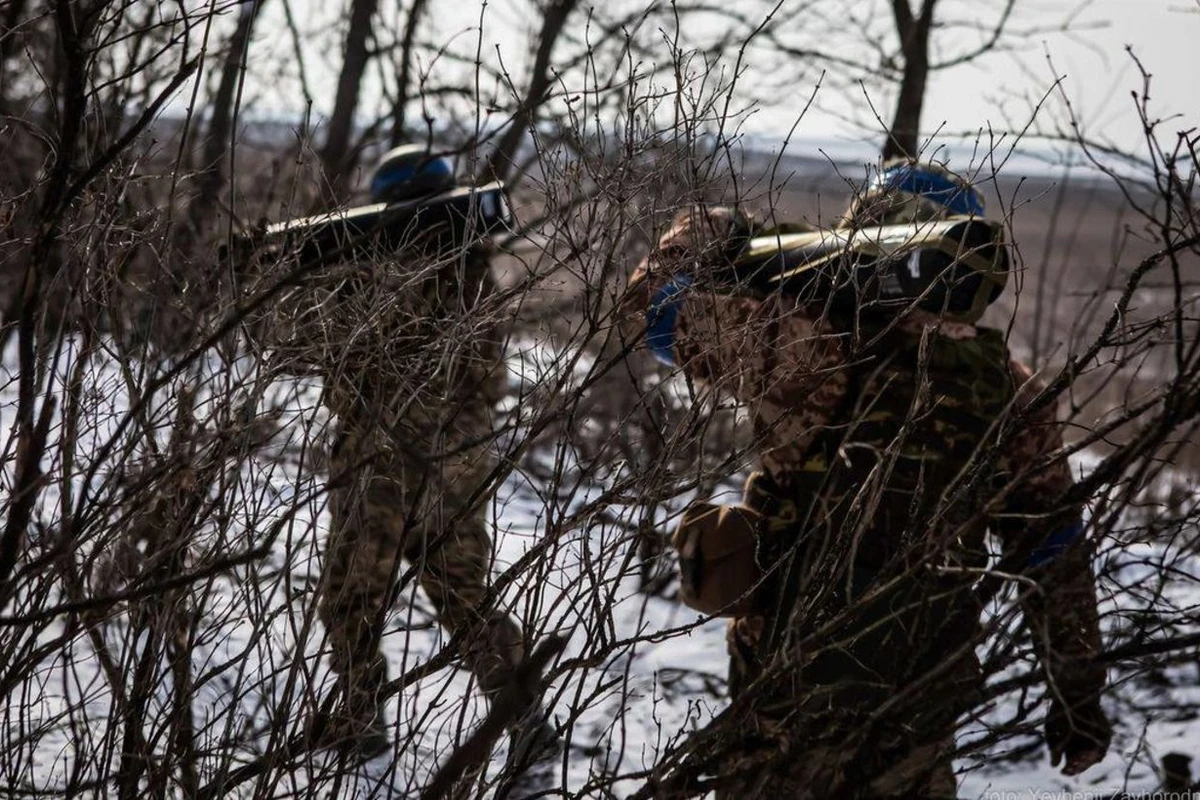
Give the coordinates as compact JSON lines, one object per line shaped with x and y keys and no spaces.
{"x":357,"y":727}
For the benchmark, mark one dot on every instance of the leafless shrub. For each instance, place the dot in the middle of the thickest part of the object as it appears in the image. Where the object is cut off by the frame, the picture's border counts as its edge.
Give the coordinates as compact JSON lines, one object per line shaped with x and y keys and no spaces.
{"x":168,"y":426}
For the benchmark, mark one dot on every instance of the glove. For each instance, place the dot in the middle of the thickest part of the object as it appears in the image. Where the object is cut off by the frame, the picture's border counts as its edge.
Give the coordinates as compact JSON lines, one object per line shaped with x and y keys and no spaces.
{"x":699,"y":247}
{"x":705,"y":238}
{"x":1078,"y":736}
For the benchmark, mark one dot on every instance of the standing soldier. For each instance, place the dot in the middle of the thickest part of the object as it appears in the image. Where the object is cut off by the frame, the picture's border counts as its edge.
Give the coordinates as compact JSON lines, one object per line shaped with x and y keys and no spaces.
{"x":404,"y":337}
{"x":889,"y":443}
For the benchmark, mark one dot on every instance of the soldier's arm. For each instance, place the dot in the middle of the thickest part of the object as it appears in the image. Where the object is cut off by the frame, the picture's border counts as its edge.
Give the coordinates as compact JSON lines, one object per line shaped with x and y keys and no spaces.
{"x":1042,"y":532}
{"x":759,"y":350}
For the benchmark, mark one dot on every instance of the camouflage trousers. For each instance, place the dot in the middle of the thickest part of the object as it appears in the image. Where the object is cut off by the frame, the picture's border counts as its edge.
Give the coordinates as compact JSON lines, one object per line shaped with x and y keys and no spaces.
{"x":390,"y":509}
{"x":814,"y":725}
{"x":801,"y":755}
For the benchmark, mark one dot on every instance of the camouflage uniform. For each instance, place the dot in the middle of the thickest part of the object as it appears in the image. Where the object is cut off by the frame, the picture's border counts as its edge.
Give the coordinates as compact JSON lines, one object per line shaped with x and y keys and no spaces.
{"x":880,"y":443}
{"x":411,"y":367}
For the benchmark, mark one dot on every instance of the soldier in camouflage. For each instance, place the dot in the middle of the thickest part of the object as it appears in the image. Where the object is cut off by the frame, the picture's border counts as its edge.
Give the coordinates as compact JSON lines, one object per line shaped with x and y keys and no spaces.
{"x":888,"y":447}
{"x":411,"y":364}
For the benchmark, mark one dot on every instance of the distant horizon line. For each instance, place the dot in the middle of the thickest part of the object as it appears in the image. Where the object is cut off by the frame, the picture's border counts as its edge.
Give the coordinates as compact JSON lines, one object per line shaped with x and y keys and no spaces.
{"x":1031,"y":156}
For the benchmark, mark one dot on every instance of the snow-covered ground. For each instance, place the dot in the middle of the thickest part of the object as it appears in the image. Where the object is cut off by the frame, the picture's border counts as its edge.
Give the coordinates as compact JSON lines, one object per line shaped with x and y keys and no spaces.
{"x":637,"y":672}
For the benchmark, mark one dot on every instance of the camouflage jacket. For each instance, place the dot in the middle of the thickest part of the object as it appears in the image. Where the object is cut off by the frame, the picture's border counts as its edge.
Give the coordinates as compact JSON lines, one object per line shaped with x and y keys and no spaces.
{"x":407,"y":343}
{"x":817,"y":390}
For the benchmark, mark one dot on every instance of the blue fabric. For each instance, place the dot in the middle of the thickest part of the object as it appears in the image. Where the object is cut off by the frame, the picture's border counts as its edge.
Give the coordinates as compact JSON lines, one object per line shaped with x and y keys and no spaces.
{"x":387,"y":179}
{"x":382,"y":183}
{"x":1055,"y":544}
{"x":935,"y":187}
{"x":661,"y":317}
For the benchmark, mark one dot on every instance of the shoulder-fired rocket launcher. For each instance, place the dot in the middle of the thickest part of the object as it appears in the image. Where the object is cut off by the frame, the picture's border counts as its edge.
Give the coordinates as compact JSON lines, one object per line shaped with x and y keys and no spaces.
{"x":954,"y":267}
{"x":459,"y":216}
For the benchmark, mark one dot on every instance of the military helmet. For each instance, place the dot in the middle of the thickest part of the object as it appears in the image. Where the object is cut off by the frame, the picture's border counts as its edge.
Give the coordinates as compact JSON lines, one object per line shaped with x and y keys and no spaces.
{"x":409,"y":171}
{"x":907,"y":191}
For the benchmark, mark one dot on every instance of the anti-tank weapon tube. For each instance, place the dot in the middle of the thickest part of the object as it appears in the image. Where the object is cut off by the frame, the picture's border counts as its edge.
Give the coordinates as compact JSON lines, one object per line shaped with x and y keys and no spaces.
{"x":464,"y":214}
{"x":956,"y":266}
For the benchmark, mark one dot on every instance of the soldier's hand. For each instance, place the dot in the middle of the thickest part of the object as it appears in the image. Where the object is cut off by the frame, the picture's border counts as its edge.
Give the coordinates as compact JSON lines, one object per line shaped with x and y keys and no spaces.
{"x":632,"y":305}
{"x":701,"y":237}
{"x":1077,"y":736}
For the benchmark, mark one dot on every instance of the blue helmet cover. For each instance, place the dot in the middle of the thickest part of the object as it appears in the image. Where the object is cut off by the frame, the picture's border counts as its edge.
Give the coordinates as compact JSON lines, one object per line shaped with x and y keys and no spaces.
{"x":933,"y":186}
{"x":393,"y":176}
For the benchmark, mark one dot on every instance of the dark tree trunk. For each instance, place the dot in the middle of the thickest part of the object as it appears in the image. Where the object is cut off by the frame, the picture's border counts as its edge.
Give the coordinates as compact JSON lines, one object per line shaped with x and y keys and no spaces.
{"x":9,"y":41}
{"x":406,"y":60}
{"x":903,"y":139}
{"x":336,"y":155}
{"x":500,"y":165}
{"x":217,"y":142}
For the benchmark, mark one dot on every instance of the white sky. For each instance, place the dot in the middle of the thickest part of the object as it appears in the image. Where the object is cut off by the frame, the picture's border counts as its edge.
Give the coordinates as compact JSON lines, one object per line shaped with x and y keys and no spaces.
{"x":1098,"y":74}
{"x":998,"y":90}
